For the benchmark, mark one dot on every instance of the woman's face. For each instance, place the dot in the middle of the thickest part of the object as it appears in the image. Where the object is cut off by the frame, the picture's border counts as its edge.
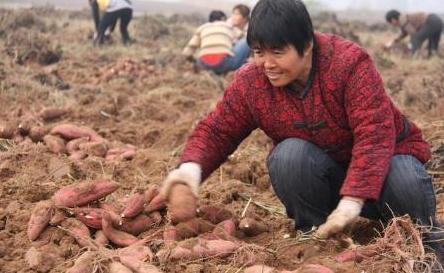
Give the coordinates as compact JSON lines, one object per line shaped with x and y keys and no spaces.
{"x":284,"y":65}
{"x":237,"y":19}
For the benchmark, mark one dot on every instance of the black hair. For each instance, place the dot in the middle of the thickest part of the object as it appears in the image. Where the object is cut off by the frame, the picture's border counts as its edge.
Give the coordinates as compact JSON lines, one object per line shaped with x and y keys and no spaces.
{"x":244,"y":10}
{"x":217,"y":15}
{"x":392,"y":14}
{"x":277,"y":23}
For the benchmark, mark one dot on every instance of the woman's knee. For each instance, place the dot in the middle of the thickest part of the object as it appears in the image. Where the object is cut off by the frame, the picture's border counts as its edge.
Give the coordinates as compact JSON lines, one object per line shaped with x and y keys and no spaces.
{"x":291,"y":151}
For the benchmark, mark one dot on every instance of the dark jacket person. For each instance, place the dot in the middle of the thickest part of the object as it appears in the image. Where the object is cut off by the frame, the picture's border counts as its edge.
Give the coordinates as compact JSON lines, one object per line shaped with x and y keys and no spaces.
{"x":420,"y":26}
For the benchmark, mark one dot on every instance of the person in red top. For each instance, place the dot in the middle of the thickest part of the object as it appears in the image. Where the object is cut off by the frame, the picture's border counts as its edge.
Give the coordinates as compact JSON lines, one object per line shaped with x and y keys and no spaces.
{"x":341,"y":147}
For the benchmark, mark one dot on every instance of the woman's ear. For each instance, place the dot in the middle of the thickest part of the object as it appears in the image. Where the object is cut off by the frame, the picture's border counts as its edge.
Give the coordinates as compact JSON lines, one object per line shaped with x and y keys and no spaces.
{"x":308,"y":48}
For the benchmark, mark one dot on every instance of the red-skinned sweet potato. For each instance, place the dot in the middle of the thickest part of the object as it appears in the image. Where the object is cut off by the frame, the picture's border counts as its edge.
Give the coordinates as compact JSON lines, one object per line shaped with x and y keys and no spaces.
{"x":192,"y":228}
{"x":158,"y":203}
{"x":138,"y":251}
{"x":78,"y":230}
{"x":198,"y":248}
{"x":138,"y":266}
{"x":57,"y":217}
{"x":37,"y":133}
{"x":84,"y":192}
{"x":252,"y":227}
{"x":92,"y":217}
{"x":100,"y":238}
{"x":118,"y":237}
{"x":134,"y":205}
{"x":136,"y":225}
{"x":170,"y":235}
{"x":40,"y":217}
{"x":55,"y":144}
{"x":51,"y":113}
{"x":94,"y":148}
{"x":150,"y":193}
{"x":71,"y":131}
{"x":182,"y":203}
{"x":83,"y":264}
{"x":156,"y":217}
{"x":73,"y":145}
{"x":116,"y":267}
{"x":225,"y":229}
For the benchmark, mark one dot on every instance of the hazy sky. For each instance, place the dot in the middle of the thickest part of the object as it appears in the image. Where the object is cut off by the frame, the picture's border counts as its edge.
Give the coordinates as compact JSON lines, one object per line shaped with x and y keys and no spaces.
{"x":338,"y":5}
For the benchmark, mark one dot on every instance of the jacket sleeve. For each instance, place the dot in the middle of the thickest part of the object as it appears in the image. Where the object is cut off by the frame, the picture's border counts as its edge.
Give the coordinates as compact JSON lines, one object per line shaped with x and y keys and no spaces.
{"x":371,"y":118}
{"x":219,"y":133}
{"x":193,"y":44}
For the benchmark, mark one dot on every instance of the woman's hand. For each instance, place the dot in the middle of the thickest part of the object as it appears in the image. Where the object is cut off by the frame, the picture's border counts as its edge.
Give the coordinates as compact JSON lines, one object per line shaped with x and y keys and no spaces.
{"x":345,"y":213}
{"x":180,"y":189}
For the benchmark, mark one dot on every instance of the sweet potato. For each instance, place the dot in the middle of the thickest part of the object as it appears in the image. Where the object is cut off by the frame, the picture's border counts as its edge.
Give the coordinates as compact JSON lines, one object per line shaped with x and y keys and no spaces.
{"x":57,"y":217}
{"x":137,"y":225}
{"x":118,"y":237}
{"x":37,"y":133}
{"x":252,"y":227}
{"x":134,"y":205}
{"x":157,"y":203}
{"x":71,"y":131}
{"x":92,"y":217}
{"x":182,"y":203}
{"x":78,"y":155}
{"x":84,"y":192}
{"x":200,"y":248}
{"x":83,"y":264}
{"x":108,"y":206}
{"x":225,"y":229}
{"x":193,"y":227}
{"x":260,"y":269}
{"x":78,"y":230}
{"x":73,"y":145}
{"x":150,"y":193}
{"x":51,"y":113}
{"x":116,"y":267}
{"x":128,"y":155}
{"x":214,"y":214}
{"x":357,"y":255}
{"x":40,"y":217}
{"x":100,"y":238}
{"x":156,"y":217}
{"x":7,"y":130}
{"x":170,"y":235}
{"x":127,"y":152}
{"x":138,"y":266}
{"x":55,"y":144}
{"x":138,"y":251}
{"x":312,"y":268}
{"x":94,"y":148}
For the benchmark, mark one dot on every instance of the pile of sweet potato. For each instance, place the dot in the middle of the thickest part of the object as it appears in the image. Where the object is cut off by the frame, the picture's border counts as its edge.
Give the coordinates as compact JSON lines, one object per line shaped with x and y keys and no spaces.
{"x":128,"y":67}
{"x":78,"y":142}
{"x":81,"y":210}
{"x":78,"y":209}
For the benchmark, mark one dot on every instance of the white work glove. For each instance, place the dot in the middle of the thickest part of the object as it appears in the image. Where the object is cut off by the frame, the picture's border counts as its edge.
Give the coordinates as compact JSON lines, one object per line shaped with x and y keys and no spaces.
{"x":188,"y":173}
{"x":345,"y":213}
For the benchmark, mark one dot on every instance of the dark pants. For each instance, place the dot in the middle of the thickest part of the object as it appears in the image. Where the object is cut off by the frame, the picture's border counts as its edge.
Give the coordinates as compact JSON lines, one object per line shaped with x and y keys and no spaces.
{"x":110,"y":18}
{"x":307,"y":181}
{"x":95,"y":14}
{"x":431,"y":30}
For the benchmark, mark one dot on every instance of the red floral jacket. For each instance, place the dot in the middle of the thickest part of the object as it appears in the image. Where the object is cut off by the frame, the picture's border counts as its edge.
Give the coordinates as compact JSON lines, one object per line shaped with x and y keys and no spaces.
{"x":344,"y":110}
